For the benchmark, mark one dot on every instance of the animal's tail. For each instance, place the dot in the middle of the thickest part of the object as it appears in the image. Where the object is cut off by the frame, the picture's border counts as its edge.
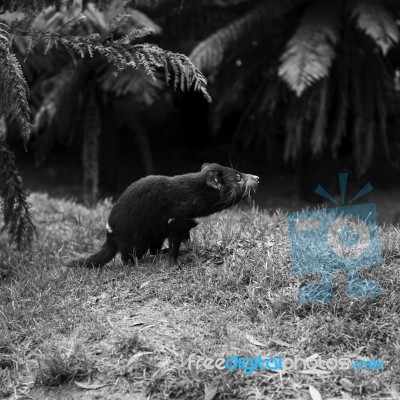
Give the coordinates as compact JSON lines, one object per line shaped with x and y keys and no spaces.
{"x":106,"y":253}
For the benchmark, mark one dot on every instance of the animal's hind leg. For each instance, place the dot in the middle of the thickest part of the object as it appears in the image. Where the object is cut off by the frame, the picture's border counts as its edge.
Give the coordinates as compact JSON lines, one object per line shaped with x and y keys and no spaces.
{"x":127,"y":258}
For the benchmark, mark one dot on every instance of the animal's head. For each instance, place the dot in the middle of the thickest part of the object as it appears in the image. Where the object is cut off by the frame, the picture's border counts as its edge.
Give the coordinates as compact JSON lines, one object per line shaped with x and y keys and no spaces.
{"x":232,"y":185}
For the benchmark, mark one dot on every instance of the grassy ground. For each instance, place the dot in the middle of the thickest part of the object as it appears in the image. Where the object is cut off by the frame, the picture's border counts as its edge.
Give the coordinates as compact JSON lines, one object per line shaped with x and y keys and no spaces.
{"x":127,"y":332}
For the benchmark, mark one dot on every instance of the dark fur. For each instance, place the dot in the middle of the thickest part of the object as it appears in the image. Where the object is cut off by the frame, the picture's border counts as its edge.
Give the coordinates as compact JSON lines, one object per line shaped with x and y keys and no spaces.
{"x":158,"y":207}
{"x":178,"y":232}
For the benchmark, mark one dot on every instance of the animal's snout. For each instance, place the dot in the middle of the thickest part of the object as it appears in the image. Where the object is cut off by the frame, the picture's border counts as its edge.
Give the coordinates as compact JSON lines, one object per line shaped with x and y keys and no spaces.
{"x":254,"y":179}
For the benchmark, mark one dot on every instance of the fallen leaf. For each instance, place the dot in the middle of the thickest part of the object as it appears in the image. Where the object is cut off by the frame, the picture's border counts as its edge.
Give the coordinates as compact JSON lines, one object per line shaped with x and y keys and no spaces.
{"x":136,"y":356}
{"x":254,"y":341}
{"x":147,"y":327}
{"x":135,"y":323}
{"x":212,"y":389}
{"x":347,"y":384}
{"x":172,"y":351}
{"x":355,"y":353}
{"x":315,"y":372}
{"x":314,"y":393}
{"x":91,"y":386}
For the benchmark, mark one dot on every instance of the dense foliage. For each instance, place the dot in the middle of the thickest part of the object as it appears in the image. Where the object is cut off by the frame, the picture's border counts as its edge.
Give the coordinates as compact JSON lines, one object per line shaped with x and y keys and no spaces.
{"x":334,"y":61}
{"x":114,"y":38}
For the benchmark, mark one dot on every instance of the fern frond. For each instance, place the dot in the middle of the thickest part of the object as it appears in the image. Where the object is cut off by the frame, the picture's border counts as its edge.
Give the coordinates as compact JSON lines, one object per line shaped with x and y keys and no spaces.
{"x":108,"y":32}
{"x":309,"y":53}
{"x":38,"y":5}
{"x":59,"y":106}
{"x":129,"y":81}
{"x":208,"y":54}
{"x":373,"y":19}
{"x":143,"y":21}
{"x":134,"y":34}
{"x":5,"y":36}
{"x":70,"y":26}
{"x":14,"y":91}
{"x":15,"y":209}
{"x":185,"y":75}
{"x":119,"y":52}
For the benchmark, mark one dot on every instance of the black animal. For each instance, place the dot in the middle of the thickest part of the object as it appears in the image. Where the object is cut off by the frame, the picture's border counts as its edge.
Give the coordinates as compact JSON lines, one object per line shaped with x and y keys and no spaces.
{"x":158,"y":207}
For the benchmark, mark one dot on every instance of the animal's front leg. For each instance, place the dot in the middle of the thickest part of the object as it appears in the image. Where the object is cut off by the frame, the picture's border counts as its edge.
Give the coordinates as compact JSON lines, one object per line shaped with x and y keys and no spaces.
{"x":178,"y":232}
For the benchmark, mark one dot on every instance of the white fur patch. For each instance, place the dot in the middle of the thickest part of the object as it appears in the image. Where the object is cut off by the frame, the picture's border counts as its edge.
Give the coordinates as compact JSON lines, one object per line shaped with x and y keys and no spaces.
{"x":171,"y":219}
{"x":108,"y":229}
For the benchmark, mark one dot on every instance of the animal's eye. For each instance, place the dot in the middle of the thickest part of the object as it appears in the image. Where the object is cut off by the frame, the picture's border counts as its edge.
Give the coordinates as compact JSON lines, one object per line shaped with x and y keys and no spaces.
{"x":238,"y":178}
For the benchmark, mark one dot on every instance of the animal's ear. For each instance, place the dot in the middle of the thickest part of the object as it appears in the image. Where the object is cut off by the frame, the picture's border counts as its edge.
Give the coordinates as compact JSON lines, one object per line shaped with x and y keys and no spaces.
{"x":212,"y":180}
{"x":204,"y":165}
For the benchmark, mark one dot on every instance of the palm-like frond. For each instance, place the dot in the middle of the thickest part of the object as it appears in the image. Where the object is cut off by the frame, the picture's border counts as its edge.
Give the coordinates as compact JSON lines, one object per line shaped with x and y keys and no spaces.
{"x":112,"y":38}
{"x":129,"y":81}
{"x":208,"y":54}
{"x":58,"y":112}
{"x":119,"y":52}
{"x":14,"y":91}
{"x":39,"y":5}
{"x":116,"y":20}
{"x":310,"y":52}
{"x":15,"y":209}
{"x":373,"y":19}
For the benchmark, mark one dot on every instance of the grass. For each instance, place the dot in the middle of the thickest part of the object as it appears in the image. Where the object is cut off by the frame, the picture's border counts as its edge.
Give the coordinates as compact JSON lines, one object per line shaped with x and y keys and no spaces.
{"x":131,"y":330}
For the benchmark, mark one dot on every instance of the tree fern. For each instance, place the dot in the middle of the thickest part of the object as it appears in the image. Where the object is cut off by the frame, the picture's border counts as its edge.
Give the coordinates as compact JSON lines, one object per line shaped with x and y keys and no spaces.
{"x":119,"y":52}
{"x":135,"y":82}
{"x":126,"y":51}
{"x":38,"y":5}
{"x":310,"y":52}
{"x":373,"y":18}
{"x":337,"y":84}
{"x":58,"y":112}
{"x":14,"y":90}
{"x":15,"y":209}
{"x":208,"y":54}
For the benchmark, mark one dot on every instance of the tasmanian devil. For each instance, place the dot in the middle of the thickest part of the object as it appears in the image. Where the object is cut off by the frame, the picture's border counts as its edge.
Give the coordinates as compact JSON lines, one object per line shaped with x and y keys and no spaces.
{"x":158,"y":207}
